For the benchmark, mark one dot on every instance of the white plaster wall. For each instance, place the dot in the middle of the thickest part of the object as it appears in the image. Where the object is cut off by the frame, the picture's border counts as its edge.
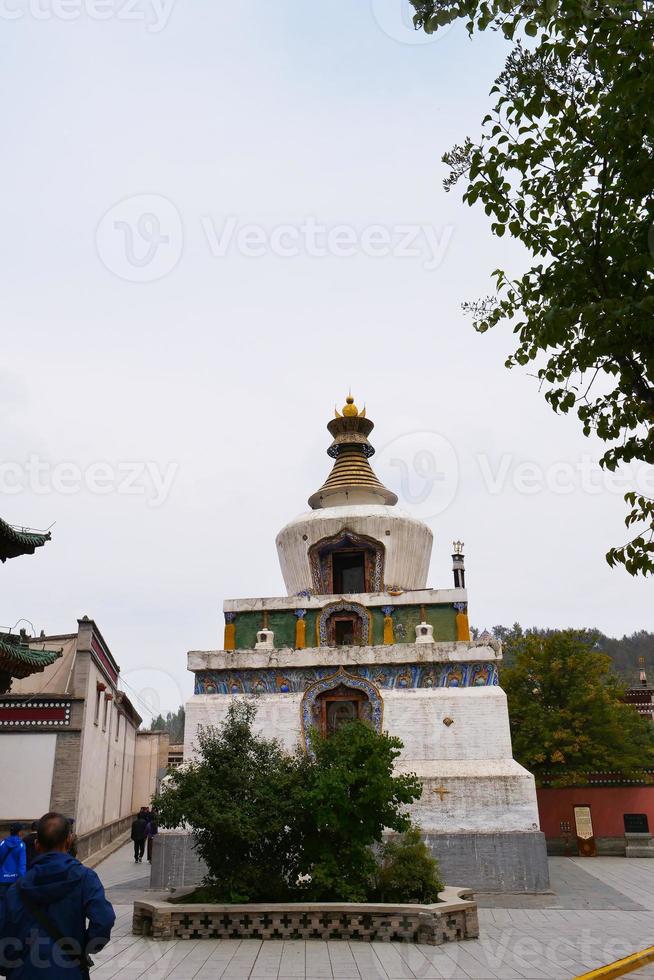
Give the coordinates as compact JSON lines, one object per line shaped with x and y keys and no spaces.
{"x":407,"y":547}
{"x":278,"y":716}
{"x":93,"y":774}
{"x":129,"y":766}
{"x":482,"y":799}
{"x":486,"y":790}
{"x":107,"y":767}
{"x":26,"y":764}
{"x":55,"y":678}
{"x":120,"y":766}
{"x":149,"y":764}
{"x":480,"y":728}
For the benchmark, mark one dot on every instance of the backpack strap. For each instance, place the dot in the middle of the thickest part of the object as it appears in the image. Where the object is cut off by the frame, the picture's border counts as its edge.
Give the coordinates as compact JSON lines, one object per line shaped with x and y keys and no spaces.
{"x":83,"y":960}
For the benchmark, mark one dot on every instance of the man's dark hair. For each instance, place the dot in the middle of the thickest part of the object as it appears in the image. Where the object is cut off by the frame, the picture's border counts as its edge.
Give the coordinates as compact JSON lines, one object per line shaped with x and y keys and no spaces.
{"x":52,"y":831}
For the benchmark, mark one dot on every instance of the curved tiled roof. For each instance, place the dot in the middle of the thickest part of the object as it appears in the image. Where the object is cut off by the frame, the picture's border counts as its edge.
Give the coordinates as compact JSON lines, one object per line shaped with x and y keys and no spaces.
{"x":18,"y":541}
{"x":20,"y":660}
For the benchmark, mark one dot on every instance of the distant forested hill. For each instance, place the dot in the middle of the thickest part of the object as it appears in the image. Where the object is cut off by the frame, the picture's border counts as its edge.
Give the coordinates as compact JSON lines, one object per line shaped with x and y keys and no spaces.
{"x":624,"y":652}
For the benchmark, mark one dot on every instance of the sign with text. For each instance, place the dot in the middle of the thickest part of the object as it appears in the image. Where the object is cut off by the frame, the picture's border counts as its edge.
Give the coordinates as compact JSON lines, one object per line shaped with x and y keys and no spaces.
{"x":584,"y":830}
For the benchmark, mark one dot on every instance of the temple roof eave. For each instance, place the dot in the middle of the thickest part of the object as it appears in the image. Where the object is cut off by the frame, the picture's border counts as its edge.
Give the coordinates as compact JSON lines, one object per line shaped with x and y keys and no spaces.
{"x":20,"y":660}
{"x":15,"y":541}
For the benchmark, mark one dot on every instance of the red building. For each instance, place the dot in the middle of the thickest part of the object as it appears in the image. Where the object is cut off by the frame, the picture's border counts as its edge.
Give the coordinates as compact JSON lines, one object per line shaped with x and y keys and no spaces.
{"x":606,"y":817}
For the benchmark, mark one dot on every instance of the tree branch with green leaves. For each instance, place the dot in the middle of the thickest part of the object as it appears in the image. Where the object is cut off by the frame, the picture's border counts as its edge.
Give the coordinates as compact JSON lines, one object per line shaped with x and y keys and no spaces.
{"x":565,"y":165}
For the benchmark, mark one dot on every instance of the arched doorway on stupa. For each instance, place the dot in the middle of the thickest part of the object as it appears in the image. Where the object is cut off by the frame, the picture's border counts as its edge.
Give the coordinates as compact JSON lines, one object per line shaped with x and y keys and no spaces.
{"x":344,"y":624}
{"x":337,"y":700}
{"x":340,"y":706}
{"x":347,"y":563}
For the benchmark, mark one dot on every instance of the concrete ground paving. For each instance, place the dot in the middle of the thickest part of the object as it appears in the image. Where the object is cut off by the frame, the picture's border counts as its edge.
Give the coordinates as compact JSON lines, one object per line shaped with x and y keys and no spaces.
{"x":600,"y":910}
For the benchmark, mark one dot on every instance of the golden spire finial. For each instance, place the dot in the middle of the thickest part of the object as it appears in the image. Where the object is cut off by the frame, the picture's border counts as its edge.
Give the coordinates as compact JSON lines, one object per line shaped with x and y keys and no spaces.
{"x":350,"y":408}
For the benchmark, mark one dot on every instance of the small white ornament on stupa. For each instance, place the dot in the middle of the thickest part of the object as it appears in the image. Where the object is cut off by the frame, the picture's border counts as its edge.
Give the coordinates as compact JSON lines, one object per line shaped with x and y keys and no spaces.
{"x":265,"y":640}
{"x":424,"y":633}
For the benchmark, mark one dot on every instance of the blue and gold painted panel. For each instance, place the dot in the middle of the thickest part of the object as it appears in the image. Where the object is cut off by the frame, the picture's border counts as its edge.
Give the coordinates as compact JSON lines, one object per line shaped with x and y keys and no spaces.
{"x":387,"y":677}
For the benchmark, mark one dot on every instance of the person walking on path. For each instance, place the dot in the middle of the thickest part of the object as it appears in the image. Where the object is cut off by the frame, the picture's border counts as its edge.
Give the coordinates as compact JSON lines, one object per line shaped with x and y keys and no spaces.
{"x":151,"y":830}
{"x":57,"y":915}
{"x":29,"y":840}
{"x":139,"y":833}
{"x":13,"y":859}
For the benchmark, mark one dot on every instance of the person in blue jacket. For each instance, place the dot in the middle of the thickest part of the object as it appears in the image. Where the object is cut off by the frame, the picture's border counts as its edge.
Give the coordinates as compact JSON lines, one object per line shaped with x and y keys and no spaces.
{"x":56,"y":916}
{"x":13,"y":858}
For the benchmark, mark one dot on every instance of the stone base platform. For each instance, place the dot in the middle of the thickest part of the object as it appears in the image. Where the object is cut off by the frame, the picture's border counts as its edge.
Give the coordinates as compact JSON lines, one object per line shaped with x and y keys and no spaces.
{"x":452,"y":919}
{"x":639,"y":846}
{"x":513,"y":862}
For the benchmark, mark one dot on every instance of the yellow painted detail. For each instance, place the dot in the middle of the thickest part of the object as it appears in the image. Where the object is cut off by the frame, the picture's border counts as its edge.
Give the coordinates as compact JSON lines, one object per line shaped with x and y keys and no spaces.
{"x":620,"y":967}
{"x":388,"y":630}
{"x":462,"y":626}
{"x":300,"y":634}
{"x":230,"y":636}
{"x":350,"y":408}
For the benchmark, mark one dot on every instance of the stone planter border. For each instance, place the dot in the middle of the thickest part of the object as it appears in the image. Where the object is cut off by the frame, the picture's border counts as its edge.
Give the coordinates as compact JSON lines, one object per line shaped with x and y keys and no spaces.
{"x":453,"y":918}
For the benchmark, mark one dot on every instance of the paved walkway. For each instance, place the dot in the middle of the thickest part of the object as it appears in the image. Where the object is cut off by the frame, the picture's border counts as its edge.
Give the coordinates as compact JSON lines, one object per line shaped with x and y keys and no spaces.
{"x":601,"y":910}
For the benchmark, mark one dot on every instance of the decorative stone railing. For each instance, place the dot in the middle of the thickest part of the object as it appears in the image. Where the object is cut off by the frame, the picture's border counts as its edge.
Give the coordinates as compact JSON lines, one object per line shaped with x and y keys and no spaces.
{"x":453,"y":918}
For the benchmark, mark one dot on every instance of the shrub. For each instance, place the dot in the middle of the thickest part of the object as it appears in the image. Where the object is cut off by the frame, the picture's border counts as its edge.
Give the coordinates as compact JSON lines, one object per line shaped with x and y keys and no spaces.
{"x":407,"y":872}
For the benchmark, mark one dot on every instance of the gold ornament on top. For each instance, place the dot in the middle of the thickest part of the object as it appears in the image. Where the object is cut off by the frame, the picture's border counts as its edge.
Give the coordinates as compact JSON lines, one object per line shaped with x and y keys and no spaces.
{"x":350,"y":410}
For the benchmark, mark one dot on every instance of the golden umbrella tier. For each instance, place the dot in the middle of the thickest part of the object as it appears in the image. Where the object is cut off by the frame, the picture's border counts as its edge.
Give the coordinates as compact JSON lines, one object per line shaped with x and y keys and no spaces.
{"x":352,"y":479}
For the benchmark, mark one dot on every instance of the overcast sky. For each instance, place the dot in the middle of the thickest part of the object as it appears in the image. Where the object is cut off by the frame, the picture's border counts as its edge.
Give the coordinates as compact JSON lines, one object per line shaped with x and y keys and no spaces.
{"x":216,"y":218}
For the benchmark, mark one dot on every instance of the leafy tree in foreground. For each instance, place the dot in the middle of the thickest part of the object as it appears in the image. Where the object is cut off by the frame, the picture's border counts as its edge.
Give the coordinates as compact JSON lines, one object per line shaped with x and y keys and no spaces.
{"x":241,"y":801}
{"x":351,"y":797}
{"x":271,"y":826}
{"x":565,"y":165}
{"x":567,"y":719}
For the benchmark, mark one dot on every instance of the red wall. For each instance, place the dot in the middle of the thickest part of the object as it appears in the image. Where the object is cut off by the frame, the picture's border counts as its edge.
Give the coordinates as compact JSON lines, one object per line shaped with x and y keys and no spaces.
{"x":607,"y":806}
